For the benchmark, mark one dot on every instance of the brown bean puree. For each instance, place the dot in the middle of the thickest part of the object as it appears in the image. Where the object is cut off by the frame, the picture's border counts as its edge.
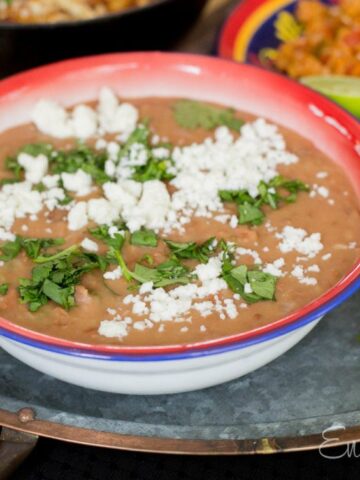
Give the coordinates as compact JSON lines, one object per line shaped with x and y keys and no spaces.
{"x":335,"y":217}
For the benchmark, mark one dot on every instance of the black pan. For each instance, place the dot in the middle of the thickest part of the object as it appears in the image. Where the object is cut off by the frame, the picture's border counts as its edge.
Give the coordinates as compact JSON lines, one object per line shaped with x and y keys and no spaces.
{"x":145,"y":28}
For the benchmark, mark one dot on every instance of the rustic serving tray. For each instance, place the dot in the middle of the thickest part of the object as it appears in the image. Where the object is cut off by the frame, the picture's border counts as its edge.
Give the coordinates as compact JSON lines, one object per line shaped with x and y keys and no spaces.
{"x":283,"y":406}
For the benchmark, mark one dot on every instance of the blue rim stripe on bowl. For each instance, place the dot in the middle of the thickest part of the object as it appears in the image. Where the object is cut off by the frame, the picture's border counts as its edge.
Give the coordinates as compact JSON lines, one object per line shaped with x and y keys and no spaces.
{"x":312,"y":316}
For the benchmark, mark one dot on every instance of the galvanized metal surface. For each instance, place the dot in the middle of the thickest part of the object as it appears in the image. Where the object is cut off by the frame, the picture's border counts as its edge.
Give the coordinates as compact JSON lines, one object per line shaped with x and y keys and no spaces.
{"x":316,"y":385}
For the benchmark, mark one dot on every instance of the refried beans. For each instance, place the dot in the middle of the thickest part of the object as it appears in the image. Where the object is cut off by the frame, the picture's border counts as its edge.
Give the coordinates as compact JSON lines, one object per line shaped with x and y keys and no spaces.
{"x":305,"y":246}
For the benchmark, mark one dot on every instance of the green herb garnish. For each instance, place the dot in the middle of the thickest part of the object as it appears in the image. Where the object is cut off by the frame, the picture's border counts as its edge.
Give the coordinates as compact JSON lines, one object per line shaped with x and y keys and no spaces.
{"x":192,"y":250}
{"x":10,"y":249}
{"x":4,"y":287}
{"x":263,"y":284}
{"x":102,"y":233}
{"x":84,"y":158}
{"x":55,"y":278}
{"x":168,"y":273}
{"x":191,"y":114}
{"x":153,"y":168}
{"x":144,"y":238}
{"x":32,"y":247}
{"x":249,"y":208}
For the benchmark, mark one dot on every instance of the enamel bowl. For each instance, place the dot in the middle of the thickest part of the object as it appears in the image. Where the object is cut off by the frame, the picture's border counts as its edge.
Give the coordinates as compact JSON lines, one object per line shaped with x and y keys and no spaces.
{"x":180,"y":368}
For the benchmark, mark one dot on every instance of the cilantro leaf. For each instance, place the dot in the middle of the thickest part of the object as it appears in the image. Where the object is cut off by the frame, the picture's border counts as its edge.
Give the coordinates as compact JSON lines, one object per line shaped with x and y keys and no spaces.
{"x":115,"y":241}
{"x":55,"y":278}
{"x":4,"y":287}
{"x":249,"y":208}
{"x":34,"y":246}
{"x":263,"y":284}
{"x":168,"y":273}
{"x":192,"y":250}
{"x":144,"y":238}
{"x":153,"y":168}
{"x":64,"y":296}
{"x":191,"y":114}
{"x":82,"y":157}
{"x":250,"y":214}
{"x":10,"y":249}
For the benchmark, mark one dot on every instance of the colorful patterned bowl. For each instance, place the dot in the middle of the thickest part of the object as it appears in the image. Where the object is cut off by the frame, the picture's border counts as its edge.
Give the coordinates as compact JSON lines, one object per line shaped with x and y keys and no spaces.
{"x":254,"y":28}
{"x":179,"y":368}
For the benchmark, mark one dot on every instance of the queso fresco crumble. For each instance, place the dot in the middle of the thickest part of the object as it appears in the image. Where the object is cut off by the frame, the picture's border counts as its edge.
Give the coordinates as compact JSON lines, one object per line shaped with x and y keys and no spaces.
{"x":157,"y":221}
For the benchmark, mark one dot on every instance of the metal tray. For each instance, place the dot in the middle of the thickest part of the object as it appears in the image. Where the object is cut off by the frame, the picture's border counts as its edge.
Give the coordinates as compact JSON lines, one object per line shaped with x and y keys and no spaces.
{"x":283,"y":406}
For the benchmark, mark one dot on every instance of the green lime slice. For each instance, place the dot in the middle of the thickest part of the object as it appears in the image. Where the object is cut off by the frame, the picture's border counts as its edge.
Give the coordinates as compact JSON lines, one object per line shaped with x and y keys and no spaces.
{"x":343,"y":90}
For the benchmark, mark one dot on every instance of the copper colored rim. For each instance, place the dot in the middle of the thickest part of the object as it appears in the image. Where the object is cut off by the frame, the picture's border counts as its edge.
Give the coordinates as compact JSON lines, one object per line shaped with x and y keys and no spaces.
{"x":265,"y":445}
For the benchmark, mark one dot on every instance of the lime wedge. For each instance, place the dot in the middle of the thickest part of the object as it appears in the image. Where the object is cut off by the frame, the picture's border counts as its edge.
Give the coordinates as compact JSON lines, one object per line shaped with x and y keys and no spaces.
{"x":343,"y":90}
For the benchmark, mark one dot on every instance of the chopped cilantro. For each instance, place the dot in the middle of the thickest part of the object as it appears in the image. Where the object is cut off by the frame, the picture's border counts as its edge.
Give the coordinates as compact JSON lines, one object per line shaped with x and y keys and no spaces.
{"x":192,"y":250}
{"x":144,"y":238}
{"x":10,"y":249}
{"x":4,"y":287}
{"x":263,"y":284}
{"x":82,"y":157}
{"x":55,"y":278}
{"x":153,"y":168}
{"x":32,"y":247}
{"x":168,"y":273}
{"x":249,"y":208}
{"x":250,"y":214}
{"x":191,"y":114}
{"x":102,"y":233}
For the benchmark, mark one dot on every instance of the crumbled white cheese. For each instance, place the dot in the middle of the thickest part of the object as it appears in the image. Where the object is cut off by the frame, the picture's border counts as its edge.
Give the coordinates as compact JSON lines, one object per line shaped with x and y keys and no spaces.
{"x":161,"y":305}
{"x":50,"y":181}
{"x":319,"y":190}
{"x":83,"y":121}
{"x":101,"y":211}
{"x":52,"y":119}
{"x":35,"y":167}
{"x":327,"y":256}
{"x":77,"y":217}
{"x":89,"y":245}
{"x":210,"y":270}
{"x":152,"y":209}
{"x":240,"y":251}
{"x":298,"y":239}
{"x":114,"y":117}
{"x":321,"y":175}
{"x":313,"y":268}
{"x":299,"y":273}
{"x":226,"y":164}
{"x":114,"y":328}
{"x":274,"y":268}
{"x":18,"y":200}
{"x":247,"y":288}
{"x":6,"y":236}
{"x":234,"y":221}
{"x":79,"y":182}
{"x":113,"y":274}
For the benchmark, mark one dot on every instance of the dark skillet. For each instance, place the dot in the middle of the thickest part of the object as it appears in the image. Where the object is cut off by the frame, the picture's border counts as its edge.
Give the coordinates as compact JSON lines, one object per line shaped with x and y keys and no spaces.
{"x":145,"y":28}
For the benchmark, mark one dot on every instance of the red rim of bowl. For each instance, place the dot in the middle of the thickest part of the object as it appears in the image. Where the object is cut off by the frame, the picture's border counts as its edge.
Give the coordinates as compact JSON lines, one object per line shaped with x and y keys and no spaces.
{"x":11,"y":84}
